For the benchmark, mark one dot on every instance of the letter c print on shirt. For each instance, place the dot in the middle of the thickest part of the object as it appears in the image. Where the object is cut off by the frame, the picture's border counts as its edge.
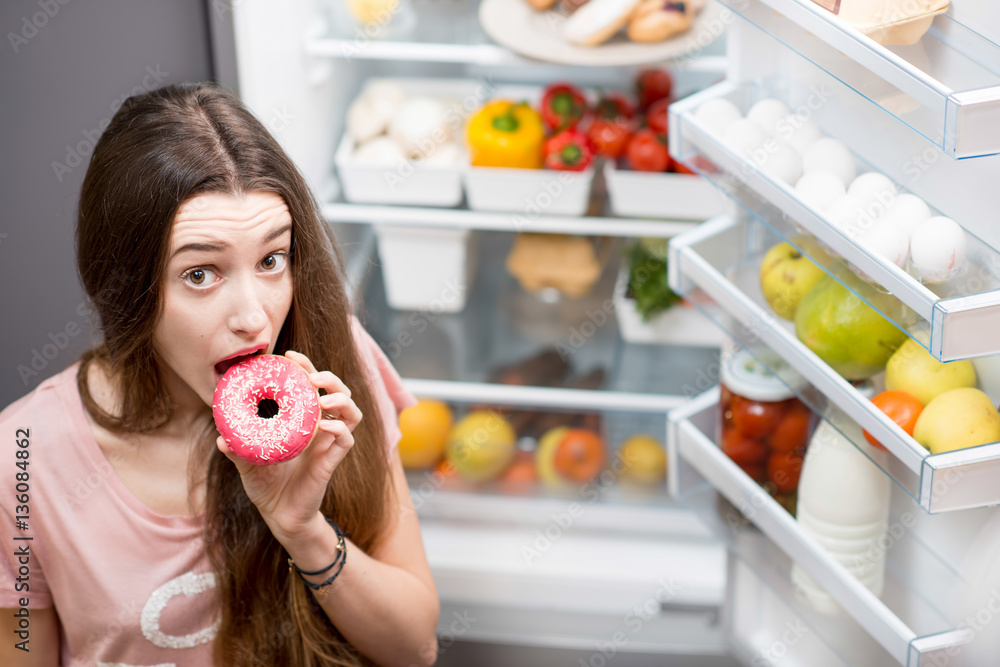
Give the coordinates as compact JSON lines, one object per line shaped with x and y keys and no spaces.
{"x":189,"y":584}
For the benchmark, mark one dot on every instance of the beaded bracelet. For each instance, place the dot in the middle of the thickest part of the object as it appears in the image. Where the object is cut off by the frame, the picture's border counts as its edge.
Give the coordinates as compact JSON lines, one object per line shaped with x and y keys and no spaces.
{"x":341,"y":559}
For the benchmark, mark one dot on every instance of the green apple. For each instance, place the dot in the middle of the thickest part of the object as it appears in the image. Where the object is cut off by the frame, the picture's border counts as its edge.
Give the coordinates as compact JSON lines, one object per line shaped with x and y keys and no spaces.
{"x":786,"y":275}
{"x":912,"y":369}
{"x":957,"y":419}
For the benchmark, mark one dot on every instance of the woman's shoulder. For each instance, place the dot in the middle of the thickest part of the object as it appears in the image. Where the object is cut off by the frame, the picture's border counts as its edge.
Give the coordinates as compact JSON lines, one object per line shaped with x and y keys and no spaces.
{"x":380,"y":368}
{"x":43,"y":404}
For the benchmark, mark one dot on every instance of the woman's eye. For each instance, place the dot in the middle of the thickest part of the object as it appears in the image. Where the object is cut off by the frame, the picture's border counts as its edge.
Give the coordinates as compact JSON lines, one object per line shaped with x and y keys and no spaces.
{"x":274,"y":261}
{"x":198,"y":277}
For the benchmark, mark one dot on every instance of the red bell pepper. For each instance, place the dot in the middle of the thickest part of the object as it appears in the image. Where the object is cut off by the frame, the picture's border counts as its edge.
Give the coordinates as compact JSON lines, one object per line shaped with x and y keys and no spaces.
{"x":563,"y":105}
{"x":568,"y":150}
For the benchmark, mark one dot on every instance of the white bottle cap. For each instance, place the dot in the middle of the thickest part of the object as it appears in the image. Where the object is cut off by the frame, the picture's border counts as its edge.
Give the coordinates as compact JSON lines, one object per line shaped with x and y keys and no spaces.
{"x":771,"y":381}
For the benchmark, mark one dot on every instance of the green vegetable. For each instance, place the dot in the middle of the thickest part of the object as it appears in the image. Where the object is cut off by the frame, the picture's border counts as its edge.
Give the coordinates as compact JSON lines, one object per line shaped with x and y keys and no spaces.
{"x":647,"y":281}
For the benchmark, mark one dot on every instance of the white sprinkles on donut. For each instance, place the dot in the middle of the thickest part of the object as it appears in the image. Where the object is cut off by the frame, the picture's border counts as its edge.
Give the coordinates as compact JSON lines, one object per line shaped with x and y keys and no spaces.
{"x":263,"y":440}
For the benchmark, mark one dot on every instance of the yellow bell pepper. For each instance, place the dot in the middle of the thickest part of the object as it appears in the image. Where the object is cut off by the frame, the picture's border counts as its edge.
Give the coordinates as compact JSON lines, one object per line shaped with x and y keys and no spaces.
{"x":505,"y":134}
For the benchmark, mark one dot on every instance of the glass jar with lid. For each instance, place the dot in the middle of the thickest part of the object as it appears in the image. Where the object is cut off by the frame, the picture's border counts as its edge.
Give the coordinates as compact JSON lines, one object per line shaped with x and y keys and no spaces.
{"x":765,"y":428}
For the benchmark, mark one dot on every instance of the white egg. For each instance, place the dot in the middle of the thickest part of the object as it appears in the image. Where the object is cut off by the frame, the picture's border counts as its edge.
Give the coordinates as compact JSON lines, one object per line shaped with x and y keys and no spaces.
{"x":937,"y":249}
{"x":800,"y":134}
{"x":744,"y":137}
{"x":420,"y":123}
{"x":783,"y":163}
{"x":906,"y":212}
{"x":446,"y":155}
{"x":767,"y":113}
{"x":381,"y":151}
{"x":831,"y":155}
{"x":820,"y":189}
{"x":718,"y":115}
{"x":886,"y":240}
{"x":875,"y":191}
{"x":843,"y":213}
{"x":362,"y":121}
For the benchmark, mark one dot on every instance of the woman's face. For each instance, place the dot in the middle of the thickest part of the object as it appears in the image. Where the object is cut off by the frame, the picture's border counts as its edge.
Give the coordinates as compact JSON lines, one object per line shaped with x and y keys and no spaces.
{"x":227,"y":287}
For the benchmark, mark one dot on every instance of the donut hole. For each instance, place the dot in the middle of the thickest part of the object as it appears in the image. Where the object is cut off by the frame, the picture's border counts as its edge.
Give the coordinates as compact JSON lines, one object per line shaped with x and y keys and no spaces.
{"x":267,"y":408}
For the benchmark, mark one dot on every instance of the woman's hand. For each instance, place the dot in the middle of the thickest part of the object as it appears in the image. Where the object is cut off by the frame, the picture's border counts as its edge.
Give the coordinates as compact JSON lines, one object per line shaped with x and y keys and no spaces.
{"x":288,"y":494}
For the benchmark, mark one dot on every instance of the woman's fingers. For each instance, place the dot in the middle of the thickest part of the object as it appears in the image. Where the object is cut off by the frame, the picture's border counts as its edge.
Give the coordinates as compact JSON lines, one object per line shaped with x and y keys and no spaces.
{"x":242,"y":466}
{"x":325,"y":379}
{"x":342,"y":407}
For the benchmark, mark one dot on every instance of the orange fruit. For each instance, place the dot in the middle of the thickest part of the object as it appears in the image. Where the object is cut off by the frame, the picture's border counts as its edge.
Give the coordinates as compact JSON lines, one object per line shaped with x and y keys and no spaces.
{"x":580,"y":455}
{"x":425,"y":428}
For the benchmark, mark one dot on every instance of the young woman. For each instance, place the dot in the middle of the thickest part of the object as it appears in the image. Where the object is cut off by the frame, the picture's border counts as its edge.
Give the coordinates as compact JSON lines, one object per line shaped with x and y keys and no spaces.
{"x":143,"y":540}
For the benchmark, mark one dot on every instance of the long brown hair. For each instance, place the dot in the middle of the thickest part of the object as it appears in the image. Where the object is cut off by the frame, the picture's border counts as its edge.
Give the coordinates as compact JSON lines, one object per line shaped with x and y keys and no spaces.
{"x":161,"y":149}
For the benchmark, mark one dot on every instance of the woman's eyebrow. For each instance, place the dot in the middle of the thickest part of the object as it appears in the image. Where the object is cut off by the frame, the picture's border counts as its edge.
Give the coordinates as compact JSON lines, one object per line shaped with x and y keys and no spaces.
{"x":212,"y":247}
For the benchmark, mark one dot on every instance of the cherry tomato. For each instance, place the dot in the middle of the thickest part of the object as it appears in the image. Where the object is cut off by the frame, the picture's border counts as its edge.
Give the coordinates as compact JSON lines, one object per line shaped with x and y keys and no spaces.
{"x":901,"y":407}
{"x":793,"y":432}
{"x":756,"y":471}
{"x":647,"y":151}
{"x":610,"y":137}
{"x":756,"y":419}
{"x":783,"y":470}
{"x":741,"y":449}
{"x":657,"y":116}
{"x":652,"y":85}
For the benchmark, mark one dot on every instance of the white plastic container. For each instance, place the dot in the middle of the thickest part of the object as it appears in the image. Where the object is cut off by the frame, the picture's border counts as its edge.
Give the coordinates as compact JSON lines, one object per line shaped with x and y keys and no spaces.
{"x":530,"y":192}
{"x":680,"y":325}
{"x":409,"y":182}
{"x":426,"y":268}
{"x":406,"y":183}
{"x":643,"y":194}
{"x":843,"y":504}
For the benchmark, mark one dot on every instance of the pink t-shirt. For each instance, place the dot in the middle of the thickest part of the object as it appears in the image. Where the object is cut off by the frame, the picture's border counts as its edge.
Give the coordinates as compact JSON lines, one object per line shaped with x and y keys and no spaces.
{"x":131,"y":587}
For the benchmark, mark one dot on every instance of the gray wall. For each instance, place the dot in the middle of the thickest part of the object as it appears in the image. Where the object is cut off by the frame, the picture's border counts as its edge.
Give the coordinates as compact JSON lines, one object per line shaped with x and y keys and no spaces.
{"x":60,"y":83}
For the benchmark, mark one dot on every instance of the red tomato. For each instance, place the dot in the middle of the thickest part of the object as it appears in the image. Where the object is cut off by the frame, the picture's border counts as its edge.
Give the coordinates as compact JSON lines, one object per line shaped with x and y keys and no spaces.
{"x":783,"y":471}
{"x":901,"y":407}
{"x":681,"y":169}
{"x":610,"y":137}
{"x":741,"y":449}
{"x":657,"y":116}
{"x":756,"y":471}
{"x":793,"y":432}
{"x":647,"y":151}
{"x":756,"y":419}
{"x":652,"y":85}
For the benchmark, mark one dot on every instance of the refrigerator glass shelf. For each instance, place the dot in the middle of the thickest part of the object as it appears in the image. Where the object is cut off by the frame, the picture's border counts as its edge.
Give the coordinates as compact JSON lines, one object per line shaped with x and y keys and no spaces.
{"x":443,"y":31}
{"x":502,"y":324}
{"x":953,"y":319}
{"x":465,"y":218}
{"x":907,"y":621}
{"x":721,"y":259}
{"x":945,"y":87}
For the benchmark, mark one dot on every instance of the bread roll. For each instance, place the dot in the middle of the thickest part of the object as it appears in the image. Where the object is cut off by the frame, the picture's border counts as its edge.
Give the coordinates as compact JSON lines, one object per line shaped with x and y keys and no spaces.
{"x":597,"y":21}
{"x":650,"y":22}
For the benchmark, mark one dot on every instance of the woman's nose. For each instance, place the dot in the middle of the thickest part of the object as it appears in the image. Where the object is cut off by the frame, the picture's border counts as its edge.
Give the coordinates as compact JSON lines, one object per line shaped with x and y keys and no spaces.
{"x":249,"y":309}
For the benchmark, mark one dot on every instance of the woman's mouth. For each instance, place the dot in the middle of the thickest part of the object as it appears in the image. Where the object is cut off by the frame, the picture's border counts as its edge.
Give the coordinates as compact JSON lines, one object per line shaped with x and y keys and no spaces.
{"x":226,"y":364}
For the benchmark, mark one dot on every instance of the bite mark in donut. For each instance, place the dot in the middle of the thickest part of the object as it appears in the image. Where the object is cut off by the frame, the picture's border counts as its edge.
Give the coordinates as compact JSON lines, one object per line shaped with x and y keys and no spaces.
{"x":236,"y":407}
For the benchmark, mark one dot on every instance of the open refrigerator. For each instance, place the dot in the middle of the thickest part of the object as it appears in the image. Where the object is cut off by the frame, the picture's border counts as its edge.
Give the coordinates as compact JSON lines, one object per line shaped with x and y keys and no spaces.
{"x":698,"y":568}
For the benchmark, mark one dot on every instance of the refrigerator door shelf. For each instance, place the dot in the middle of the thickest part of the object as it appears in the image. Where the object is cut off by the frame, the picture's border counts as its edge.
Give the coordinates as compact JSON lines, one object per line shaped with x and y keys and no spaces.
{"x":909,"y":624}
{"x":720,"y":261}
{"x":956,"y":316}
{"x":945,"y":87}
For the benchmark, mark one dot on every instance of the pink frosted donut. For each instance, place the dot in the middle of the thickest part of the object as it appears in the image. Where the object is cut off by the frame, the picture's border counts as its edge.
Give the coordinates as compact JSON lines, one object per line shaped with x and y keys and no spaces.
{"x":237,"y":399}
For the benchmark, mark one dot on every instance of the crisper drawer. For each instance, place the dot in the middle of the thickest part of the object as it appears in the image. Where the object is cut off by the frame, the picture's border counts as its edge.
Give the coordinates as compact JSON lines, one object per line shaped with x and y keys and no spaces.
{"x":720,"y":262}
{"x":766,"y":620}
{"x":556,"y":546}
{"x":957,"y":315}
